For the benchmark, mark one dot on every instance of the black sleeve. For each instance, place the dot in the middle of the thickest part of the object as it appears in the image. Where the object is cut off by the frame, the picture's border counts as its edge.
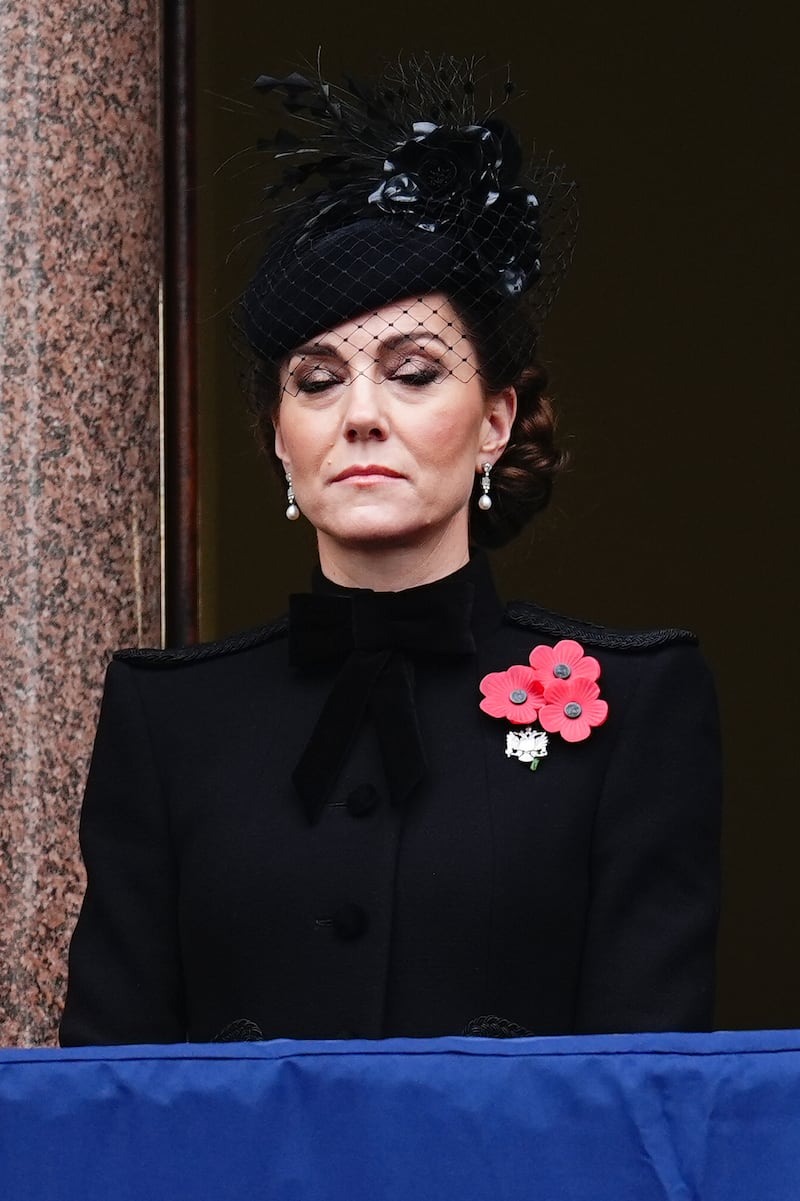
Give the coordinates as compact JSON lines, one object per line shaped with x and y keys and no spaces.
{"x":124,"y":964}
{"x":648,"y":958}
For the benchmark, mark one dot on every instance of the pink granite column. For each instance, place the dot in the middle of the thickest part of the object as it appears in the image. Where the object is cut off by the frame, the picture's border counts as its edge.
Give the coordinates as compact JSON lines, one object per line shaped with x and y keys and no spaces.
{"x":80,"y":562}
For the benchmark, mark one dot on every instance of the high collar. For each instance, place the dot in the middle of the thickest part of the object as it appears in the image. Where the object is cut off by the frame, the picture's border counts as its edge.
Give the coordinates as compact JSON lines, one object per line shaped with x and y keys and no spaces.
{"x":487,"y":609}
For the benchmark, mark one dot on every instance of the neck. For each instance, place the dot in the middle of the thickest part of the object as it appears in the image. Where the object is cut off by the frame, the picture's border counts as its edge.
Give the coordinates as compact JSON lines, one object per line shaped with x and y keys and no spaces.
{"x":392,"y":568}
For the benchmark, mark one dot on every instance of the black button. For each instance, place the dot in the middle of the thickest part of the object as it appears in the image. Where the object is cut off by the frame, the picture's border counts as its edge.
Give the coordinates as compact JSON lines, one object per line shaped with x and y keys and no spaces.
{"x":362,"y":800}
{"x":349,"y":921}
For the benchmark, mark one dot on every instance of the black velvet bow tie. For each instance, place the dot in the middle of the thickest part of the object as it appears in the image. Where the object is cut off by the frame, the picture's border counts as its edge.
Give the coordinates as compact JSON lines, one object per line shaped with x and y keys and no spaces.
{"x":373,"y":635}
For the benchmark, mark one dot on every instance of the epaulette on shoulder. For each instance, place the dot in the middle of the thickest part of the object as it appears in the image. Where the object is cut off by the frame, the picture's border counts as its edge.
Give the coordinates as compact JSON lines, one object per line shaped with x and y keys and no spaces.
{"x":531,"y":617}
{"x":178,"y":656}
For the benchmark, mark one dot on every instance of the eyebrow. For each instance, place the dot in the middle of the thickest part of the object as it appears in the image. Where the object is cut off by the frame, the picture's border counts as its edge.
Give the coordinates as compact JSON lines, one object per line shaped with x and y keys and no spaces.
{"x":328,"y":350}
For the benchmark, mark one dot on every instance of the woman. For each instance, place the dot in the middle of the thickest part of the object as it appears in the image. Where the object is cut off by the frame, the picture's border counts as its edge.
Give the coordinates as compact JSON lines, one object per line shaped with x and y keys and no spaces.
{"x":332,"y":826}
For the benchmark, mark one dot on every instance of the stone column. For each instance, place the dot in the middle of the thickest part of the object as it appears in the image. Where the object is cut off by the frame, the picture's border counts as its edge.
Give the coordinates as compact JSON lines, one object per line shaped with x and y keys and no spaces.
{"x":80,"y":556}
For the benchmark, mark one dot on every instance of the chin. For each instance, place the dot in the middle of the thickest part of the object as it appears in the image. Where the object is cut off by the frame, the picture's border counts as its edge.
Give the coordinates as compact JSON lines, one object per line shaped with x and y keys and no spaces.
{"x":378,"y":535}
{"x":386,"y":527}
{"x":356,"y":523}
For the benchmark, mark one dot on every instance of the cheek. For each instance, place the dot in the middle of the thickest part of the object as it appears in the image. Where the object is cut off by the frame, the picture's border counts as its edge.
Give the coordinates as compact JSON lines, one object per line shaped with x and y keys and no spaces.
{"x":449,"y":440}
{"x":306,"y":442}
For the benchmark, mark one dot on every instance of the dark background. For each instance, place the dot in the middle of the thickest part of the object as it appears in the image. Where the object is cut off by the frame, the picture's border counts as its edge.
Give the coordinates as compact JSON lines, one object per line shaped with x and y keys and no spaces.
{"x":669,"y":353}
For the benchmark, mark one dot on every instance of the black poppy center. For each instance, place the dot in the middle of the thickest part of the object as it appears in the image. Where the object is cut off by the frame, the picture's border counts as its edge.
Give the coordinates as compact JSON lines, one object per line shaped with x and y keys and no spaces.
{"x":518,"y":696}
{"x":562,"y":671}
{"x":573,"y":709}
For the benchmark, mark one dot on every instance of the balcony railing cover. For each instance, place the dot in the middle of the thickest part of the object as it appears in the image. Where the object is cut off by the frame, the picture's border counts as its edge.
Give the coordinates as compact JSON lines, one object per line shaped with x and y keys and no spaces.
{"x":702,"y":1117}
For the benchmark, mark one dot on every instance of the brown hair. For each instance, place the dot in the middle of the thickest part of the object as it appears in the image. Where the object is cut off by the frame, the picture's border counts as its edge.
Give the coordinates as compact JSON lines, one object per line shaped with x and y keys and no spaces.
{"x":505,"y":338}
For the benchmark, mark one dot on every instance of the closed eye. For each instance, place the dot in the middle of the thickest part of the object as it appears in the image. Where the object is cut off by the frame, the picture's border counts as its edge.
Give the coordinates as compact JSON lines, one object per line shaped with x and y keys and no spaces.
{"x":418,"y":379}
{"x":316,"y":381}
{"x":416,"y":371}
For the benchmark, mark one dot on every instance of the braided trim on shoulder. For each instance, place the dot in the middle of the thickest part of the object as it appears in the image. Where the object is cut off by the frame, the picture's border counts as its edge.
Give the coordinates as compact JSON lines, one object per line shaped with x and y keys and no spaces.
{"x":177,"y":656}
{"x":531,"y":617}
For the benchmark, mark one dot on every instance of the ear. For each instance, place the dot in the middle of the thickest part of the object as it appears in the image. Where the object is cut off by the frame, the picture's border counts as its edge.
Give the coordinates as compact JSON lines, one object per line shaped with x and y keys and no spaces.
{"x":280,"y":447}
{"x":501,"y":409}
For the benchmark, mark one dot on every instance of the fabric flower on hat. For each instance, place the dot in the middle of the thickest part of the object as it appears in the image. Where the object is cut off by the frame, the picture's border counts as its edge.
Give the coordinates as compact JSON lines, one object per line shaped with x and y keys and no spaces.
{"x":443,"y":172}
{"x":564,"y":661}
{"x":572,"y":708}
{"x":441,"y":162}
{"x":515,"y":694}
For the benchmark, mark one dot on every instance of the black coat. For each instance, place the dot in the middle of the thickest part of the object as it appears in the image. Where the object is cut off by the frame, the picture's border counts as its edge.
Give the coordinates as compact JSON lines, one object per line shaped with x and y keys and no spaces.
{"x":581,"y":897}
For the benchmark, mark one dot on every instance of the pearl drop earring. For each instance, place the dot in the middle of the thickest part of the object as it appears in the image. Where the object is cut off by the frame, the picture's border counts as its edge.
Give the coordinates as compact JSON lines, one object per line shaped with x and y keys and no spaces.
{"x":292,"y":511}
{"x":485,"y":501}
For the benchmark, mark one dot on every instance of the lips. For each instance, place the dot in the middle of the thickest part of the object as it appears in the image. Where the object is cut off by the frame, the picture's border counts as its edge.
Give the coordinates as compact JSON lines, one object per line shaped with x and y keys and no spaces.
{"x":366,"y":472}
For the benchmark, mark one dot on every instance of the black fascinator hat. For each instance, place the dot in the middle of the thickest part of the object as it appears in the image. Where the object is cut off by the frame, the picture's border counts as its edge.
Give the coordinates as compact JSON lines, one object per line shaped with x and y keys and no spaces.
{"x":412,"y":185}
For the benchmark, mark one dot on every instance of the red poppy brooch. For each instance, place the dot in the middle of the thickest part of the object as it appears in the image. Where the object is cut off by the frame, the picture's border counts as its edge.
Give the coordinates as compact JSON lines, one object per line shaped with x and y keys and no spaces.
{"x":559,"y":690}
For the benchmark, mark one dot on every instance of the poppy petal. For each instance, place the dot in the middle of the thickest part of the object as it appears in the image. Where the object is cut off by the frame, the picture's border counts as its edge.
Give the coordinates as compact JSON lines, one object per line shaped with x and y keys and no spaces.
{"x":551,"y":718}
{"x":495,"y":706}
{"x":541,"y":658}
{"x":524,"y":714}
{"x":588,"y":668}
{"x":558,"y":692}
{"x":567,"y":651}
{"x":584,"y":691}
{"x":597,"y":712}
{"x":575,"y":729}
{"x":521,"y":676}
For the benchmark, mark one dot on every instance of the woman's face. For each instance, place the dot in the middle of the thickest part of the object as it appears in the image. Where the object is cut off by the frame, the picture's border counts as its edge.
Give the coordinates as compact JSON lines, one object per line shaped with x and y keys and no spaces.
{"x":383,"y":424}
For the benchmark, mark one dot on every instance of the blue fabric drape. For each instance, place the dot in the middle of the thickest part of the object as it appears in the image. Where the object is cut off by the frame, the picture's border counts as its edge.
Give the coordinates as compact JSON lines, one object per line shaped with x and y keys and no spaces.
{"x":703,"y":1117}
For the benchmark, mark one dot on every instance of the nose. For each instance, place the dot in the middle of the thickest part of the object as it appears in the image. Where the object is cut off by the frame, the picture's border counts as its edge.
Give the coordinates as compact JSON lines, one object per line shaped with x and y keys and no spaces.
{"x":365,"y":416}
